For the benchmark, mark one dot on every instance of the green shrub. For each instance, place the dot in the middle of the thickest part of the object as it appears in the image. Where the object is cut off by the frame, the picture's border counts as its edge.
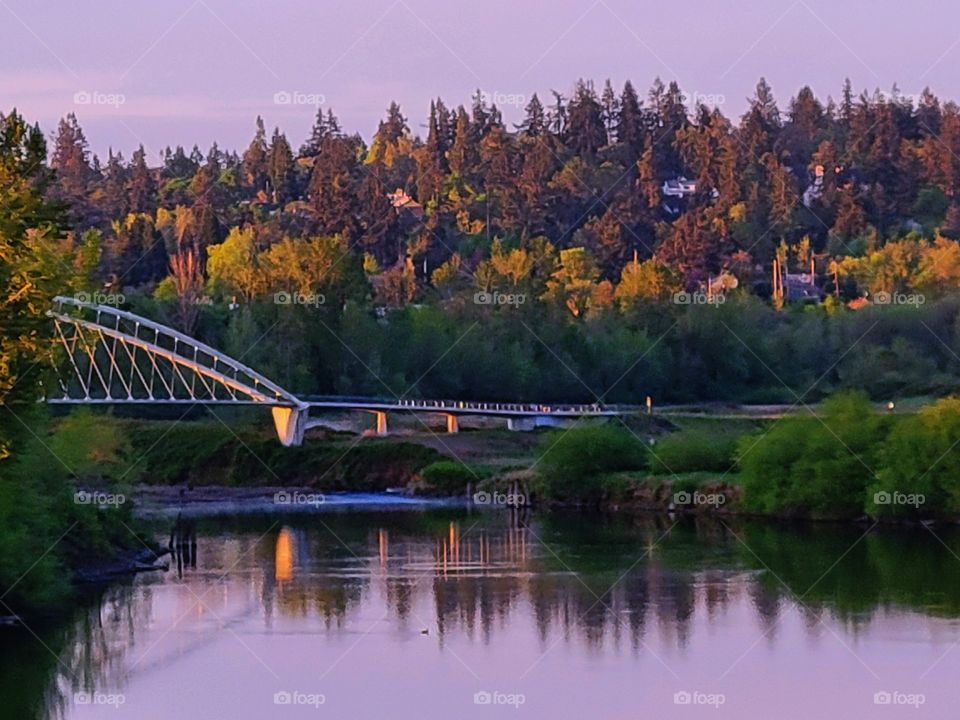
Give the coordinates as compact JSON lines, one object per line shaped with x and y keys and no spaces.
{"x":692,"y":451}
{"x":572,"y":464}
{"x":920,"y":476}
{"x":816,"y":466}
{"x":447,"y":477}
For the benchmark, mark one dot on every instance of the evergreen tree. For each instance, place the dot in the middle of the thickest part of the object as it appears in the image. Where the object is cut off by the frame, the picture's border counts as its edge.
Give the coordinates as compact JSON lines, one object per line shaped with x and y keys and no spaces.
{"x":141,"y":188}
{"x":280,"y":167}
{"x":585,"y":130}
{"x":255,"y":161}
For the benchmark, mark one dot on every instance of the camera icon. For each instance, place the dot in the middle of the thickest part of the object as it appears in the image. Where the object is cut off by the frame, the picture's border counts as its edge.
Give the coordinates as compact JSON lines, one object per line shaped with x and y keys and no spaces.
{"x":682,"y":698}
{"x":483,"y":298}
{"x":882,"y":698}
{"x":882,"y":498}
{"x":82,"y":497}
{"x":282,"y":98}
{"x":282,"y":298}
{"x":481,"y":498}
{"x":482,"y":698}
{"x":82,"y":97}
{"x":282,"y":498}
{"x":282,"y":698}
{"x":82,"y":297}
{"x":81,"y":698}
{"x":682,"y":498}
{"x":881,"y":298}
{"x":681,"y":298}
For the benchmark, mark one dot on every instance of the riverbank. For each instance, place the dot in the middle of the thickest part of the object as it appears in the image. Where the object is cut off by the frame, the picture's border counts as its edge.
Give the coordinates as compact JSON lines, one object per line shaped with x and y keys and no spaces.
{"x":847,"y":461}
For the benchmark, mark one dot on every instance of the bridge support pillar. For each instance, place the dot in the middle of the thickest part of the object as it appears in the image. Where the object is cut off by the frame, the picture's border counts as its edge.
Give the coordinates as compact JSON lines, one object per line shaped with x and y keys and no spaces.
{"x":532,"y":422}
{"x":453,"y":424}
{"x":381,"y":422}
{"x":521,"y":424}
{"x":291,"y":423}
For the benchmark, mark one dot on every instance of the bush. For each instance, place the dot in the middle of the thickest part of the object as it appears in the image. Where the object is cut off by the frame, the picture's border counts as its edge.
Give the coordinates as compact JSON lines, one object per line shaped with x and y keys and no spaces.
{"x":45,"y":534}
{"x":692,"y":451}
{"x":447,"y":477}
{"x":814,"y":466}
{"x":572,"y":463}
{"x":921,"y":471}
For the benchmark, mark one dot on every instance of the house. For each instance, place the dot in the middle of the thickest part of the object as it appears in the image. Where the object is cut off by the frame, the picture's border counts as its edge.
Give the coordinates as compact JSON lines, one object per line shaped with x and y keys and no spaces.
{"x":678,"y":187}
{"x":800,"y":287}
{"x":405,"y":204}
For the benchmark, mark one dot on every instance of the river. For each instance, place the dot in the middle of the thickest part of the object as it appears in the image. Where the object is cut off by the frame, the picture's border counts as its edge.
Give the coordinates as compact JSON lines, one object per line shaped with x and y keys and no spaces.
{"x":445,"y":612}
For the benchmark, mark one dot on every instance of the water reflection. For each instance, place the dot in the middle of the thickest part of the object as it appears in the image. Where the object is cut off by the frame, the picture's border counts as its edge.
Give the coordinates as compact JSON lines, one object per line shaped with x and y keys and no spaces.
{"x":601,"y":587}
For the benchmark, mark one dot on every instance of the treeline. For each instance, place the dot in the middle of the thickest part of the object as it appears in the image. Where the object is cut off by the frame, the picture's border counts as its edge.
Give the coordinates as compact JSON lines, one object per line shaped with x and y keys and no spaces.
{"x":552,"y":260}
{"x":819,"y":180}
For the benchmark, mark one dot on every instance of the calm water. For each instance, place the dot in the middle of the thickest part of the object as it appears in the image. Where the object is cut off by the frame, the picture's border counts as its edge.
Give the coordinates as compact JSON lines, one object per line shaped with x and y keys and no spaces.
{"x":447,"y":614}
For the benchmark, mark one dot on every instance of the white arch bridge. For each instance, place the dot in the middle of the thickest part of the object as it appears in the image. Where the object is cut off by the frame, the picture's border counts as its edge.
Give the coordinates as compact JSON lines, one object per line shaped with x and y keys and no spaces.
{"x":113,"y":357}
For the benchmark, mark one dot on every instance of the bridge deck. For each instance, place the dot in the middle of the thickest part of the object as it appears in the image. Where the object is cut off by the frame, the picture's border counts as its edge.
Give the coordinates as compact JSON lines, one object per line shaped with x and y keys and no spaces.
{"x":444,"y":407}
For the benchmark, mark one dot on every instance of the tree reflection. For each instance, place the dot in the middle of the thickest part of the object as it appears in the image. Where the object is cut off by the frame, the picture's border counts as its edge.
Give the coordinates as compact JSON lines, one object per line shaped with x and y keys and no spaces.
{"x":604,"y":583}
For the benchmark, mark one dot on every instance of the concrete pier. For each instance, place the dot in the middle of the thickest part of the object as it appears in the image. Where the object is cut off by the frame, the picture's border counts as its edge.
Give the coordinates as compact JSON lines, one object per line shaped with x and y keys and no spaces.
{"x":291,"y":423}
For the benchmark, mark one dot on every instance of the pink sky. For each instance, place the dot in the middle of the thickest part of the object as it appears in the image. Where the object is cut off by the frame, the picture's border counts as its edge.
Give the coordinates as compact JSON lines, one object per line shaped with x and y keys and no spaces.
{"x":195,"y":71}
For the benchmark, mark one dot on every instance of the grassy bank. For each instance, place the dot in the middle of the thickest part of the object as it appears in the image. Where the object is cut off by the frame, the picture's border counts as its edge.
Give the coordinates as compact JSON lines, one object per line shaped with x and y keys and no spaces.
{"x":850,"y":460}
{"x":53,"y":526}
{"x":211,"y":453}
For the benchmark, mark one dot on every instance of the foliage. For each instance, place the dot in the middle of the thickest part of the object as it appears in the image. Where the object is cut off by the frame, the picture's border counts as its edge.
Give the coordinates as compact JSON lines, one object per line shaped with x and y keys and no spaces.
{"x":814,"y":465}
{"x":572,"y":463}
{"x":920,"y":476}
{"x":94,"y":447}
{"x":693,"y":450}
{"x":447,"y":477}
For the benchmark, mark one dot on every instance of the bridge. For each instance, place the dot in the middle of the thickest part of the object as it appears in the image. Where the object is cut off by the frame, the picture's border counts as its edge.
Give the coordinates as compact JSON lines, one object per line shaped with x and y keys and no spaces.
{"x":114,"y":357}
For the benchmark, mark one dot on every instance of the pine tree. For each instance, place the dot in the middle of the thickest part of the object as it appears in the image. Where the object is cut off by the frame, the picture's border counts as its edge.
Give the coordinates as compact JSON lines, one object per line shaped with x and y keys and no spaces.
{"x":71,"y":158}
{"x":280,"y":167}
{"x":332,"y":187}
{"x":255,"y":170}
{"x":585,"y":131}
{"x":141,"y":188}
{"x":535,"y":122}
{"x":611,"y":108}
{"x":630,"y":130}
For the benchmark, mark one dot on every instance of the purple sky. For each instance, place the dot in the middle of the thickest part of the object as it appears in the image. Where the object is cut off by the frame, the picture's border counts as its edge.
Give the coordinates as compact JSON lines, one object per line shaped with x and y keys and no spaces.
{"x":195,"y":71}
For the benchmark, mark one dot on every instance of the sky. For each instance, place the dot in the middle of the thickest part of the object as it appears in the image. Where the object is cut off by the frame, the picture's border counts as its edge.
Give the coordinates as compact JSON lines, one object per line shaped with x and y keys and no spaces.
{"x":197,"y":71}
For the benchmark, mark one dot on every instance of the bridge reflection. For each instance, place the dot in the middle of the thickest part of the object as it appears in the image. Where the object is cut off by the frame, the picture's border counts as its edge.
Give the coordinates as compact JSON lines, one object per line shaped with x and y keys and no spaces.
{"x":603,"y":586}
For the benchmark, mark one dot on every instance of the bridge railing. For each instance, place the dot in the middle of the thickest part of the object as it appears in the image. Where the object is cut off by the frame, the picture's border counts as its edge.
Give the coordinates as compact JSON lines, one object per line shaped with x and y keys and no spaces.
{"x":113,"y":355}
